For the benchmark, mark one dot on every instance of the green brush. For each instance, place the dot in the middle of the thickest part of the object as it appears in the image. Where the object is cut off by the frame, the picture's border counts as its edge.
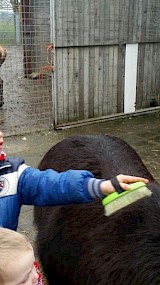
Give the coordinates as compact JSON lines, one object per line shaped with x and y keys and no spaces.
{"x":116,"y":200}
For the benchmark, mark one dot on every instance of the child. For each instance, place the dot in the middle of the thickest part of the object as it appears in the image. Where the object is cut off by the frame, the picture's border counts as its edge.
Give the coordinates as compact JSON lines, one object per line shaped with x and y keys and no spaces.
{"x":23,"y":185}
{"x":17,"y":261}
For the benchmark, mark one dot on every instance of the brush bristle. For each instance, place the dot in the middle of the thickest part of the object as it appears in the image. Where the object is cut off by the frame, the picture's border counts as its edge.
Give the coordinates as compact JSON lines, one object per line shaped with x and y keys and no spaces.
{"x":125,"y":200}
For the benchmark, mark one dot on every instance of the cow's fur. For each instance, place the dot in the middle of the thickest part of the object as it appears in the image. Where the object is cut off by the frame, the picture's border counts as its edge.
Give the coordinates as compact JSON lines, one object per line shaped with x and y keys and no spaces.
{"x":77,"y":244}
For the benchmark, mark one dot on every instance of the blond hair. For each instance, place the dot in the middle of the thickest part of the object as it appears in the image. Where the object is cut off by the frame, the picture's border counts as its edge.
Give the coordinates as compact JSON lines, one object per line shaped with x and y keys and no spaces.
{"x":11,"y":245}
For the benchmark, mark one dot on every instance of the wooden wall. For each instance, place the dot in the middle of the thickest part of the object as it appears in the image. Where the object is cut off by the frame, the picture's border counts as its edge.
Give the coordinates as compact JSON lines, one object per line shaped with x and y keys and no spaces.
{"x":148,"y":79}
{"x":88,"y":79}
{"x":106,"y":22}
{"x":90,"y":40}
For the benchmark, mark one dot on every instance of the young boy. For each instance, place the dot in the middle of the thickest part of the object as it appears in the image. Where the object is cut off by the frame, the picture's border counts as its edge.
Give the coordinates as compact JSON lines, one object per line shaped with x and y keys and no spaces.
{"x":23,"y":185}
{"x":17,"y":261}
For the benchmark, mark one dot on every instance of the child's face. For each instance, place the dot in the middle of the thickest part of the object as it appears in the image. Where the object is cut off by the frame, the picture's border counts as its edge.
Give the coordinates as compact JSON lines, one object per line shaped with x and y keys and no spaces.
{"x":22,"y":271}
{"x":1,"y":140}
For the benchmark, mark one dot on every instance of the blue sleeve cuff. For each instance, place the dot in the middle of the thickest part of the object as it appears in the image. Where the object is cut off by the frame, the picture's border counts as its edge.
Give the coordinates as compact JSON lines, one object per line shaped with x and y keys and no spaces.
{"x":93,"y":186}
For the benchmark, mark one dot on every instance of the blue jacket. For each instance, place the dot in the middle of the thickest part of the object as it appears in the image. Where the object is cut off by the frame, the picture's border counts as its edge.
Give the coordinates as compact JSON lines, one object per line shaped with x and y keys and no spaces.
{"x":23,"y":185}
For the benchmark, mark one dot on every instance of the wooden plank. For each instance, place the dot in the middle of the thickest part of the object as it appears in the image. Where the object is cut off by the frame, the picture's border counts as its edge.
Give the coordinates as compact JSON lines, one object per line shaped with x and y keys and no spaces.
{"x":65,"y":75}
{"x":96,"y":83}
{"x":76,"y":83}
{"x":126,"y":21}
{"x":140,"y":71}
{"x":58,"y":23}
{"x":91,"y":22}
{"x":100,"y":81}
{"x":70,"y":23}
{"x":137,"y":30}
{"x":110,"y":71}
{"x":86,"y":29}
{"x":143,"y":23}
{"x":157,"y":75}
{"x":112,"y":20}
{"x":102,"y":24}
{"x":80,"y":7}
{"x":114,"y":103}
{"x":81,"y":83}
{"x":97,"y":19}
{"x":86,"y":83}
{"x":120,"y":22}
{"x":70,"y":85}
{"x":131,"y":19}
{"x":147,"y":73}
{"x":120,"y":78}
{"x":76,"y":23}
{"x":114,"y":80}
{"x":65,"y":31}
{"x":149,"y":21}
{"x":91,"y":80}
{"x":151,"y":93}
{"x":105,"y":82}
{"x":116,"y":20}
{"x":59,"y":86}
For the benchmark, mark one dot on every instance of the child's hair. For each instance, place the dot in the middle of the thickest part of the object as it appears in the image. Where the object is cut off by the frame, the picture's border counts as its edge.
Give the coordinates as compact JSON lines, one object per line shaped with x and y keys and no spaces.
{"x":11,"y":245}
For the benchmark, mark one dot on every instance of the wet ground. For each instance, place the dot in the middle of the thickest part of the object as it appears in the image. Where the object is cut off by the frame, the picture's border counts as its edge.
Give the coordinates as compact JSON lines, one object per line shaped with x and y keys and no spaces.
{"x":142,"y":133}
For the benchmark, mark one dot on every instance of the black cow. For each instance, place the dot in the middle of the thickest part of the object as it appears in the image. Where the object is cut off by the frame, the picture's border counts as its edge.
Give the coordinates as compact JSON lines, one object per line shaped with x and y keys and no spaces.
{"x":77,"y":244}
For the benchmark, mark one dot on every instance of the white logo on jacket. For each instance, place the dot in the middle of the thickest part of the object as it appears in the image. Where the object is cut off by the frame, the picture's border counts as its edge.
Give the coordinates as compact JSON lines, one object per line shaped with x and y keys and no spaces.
{"x":8,"y":184}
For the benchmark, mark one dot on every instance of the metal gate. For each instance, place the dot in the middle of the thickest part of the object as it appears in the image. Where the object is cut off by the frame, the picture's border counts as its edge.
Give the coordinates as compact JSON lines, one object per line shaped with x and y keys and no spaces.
{"x":26,"y":74}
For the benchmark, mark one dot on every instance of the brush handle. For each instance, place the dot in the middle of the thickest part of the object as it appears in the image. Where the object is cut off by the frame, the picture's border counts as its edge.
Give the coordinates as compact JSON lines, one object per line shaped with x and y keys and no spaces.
{"x":116,"y":185}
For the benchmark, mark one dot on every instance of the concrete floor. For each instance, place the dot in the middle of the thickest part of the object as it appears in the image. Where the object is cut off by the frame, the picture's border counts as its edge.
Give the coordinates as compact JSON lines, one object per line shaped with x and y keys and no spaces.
{"x":142,"y":133}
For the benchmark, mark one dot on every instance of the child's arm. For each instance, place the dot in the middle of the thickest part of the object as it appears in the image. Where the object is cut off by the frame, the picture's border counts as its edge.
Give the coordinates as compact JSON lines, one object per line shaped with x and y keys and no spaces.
{"x":49,"y":187}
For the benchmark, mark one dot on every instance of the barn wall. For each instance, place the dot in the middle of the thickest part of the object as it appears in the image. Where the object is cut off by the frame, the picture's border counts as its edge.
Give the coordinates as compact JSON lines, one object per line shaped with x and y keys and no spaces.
{"x":148,"y":79}
{"x":90,"y":39}
{"x":88,"y":81}
{"x":101,"y":22}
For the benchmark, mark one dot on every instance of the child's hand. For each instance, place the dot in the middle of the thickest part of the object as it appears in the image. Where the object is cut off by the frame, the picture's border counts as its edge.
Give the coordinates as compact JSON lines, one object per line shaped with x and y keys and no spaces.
{"x":124,"y":181}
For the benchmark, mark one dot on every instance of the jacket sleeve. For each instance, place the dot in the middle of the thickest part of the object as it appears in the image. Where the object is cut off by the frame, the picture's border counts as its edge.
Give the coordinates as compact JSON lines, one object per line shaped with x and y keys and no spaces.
{"x":48,"y":187}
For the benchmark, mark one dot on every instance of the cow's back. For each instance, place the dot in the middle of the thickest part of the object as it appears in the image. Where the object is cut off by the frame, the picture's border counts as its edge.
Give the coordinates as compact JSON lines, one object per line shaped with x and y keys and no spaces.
{"x":77,"y":244}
